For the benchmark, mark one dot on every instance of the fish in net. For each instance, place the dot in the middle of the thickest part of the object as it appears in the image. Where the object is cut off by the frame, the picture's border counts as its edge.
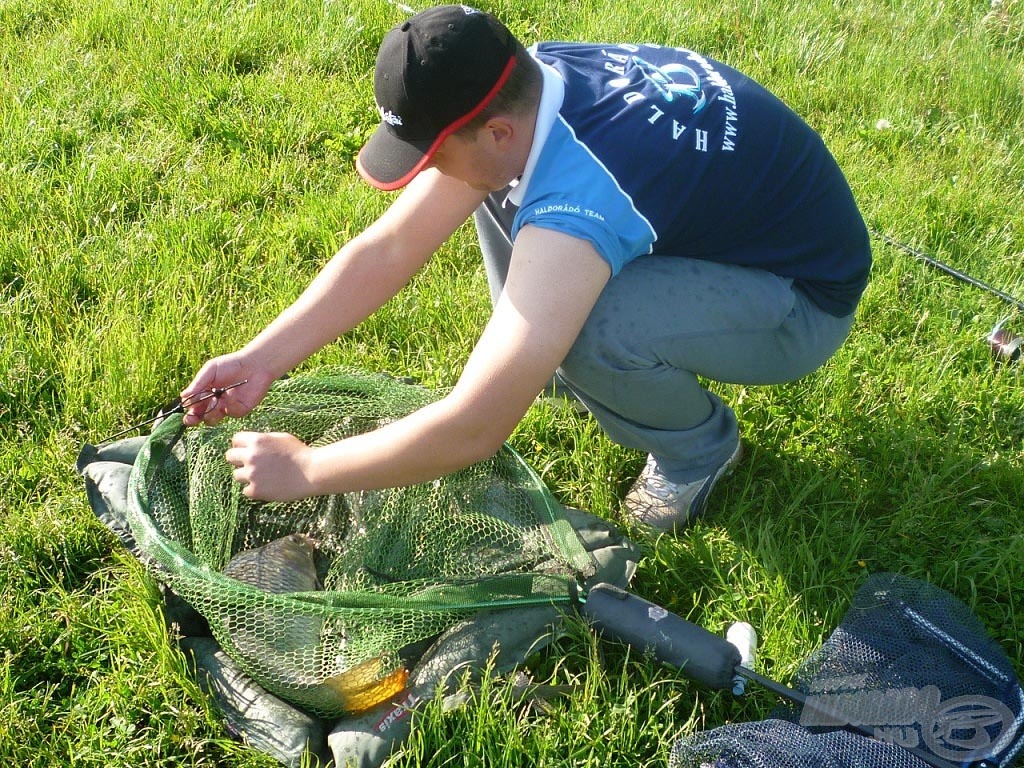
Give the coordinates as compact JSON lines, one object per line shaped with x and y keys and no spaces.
{"x":326,"y":602}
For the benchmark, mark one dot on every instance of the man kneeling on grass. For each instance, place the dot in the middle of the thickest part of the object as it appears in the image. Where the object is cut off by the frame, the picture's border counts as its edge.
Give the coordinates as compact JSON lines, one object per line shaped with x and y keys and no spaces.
{"x":647,"y":215}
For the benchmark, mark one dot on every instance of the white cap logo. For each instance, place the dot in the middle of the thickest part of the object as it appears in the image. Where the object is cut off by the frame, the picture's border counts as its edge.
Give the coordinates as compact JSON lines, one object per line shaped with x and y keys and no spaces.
{"x":390,"y":117}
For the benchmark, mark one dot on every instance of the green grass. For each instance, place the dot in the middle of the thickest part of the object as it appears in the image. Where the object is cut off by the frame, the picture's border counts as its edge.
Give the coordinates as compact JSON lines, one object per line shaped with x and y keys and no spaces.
{"x":171,"y":175}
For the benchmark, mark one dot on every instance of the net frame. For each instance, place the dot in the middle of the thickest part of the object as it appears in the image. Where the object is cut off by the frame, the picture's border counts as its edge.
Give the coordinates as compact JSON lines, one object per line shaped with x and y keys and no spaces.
{"x":366,"y":621}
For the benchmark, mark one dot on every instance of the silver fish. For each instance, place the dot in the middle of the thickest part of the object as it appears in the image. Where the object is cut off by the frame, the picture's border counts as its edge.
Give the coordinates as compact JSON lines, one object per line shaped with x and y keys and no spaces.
{"x":284,"y":565}
{"x":280,"y":650}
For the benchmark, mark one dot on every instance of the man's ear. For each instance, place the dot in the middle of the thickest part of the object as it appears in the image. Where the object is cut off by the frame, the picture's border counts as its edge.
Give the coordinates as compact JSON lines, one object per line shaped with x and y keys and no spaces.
{"x":502,"y":132}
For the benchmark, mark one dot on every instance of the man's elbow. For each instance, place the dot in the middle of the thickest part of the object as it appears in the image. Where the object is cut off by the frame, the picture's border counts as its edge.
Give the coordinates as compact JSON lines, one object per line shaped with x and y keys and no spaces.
{"x":480,"y":427}
{"x":483,"y":444}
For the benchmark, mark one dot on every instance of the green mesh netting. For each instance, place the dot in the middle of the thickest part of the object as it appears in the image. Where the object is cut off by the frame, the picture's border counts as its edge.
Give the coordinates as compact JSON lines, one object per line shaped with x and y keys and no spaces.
{"x":326,"y":602}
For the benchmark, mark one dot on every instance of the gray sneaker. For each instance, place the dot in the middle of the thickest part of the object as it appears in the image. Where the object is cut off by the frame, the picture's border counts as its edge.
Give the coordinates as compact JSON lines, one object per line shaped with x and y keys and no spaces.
{"x":664,"y":505}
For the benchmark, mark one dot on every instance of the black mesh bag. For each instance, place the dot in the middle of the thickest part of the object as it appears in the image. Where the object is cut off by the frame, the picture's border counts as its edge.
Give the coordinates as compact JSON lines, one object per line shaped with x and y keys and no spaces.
{"x":909,"y":678}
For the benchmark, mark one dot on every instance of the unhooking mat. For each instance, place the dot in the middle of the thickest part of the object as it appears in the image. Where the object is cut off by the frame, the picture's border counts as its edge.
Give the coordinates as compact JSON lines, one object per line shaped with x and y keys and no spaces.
{"x":474,"y":622}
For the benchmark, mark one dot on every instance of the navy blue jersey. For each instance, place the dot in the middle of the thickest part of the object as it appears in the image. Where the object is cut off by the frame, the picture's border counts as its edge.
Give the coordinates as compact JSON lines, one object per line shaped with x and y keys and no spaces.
{"x":661,"y":150}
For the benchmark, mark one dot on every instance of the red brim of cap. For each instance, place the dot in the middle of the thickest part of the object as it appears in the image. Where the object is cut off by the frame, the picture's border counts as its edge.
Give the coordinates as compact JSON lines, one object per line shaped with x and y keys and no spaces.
{"x":389,"y":163}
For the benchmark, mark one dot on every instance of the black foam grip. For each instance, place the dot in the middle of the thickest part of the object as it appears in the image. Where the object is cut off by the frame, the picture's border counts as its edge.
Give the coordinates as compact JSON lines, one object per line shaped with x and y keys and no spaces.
{"x":702,"y":656}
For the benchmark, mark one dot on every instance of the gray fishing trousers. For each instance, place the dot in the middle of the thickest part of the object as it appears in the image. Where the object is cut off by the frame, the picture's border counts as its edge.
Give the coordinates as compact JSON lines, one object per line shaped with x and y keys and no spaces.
{"x":661,"y":323}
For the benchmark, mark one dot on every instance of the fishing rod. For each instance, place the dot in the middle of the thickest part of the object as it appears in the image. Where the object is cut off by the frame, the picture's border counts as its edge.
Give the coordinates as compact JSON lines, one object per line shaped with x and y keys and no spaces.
{"x":1004,"y":343}
{"x":949,"y":270}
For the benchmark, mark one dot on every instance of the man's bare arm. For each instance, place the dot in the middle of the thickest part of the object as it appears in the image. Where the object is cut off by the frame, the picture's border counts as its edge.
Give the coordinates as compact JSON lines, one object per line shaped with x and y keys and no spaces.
{"x":360,"y":278}
{"x":553,"y":282}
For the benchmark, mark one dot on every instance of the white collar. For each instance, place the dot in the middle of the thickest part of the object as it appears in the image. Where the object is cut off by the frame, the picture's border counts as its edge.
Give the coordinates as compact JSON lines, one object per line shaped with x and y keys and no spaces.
{"x":551,"y":95}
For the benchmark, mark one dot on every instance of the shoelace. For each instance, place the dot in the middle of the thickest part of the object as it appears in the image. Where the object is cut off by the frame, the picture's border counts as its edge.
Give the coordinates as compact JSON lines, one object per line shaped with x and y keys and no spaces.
{"x":657,"y":485}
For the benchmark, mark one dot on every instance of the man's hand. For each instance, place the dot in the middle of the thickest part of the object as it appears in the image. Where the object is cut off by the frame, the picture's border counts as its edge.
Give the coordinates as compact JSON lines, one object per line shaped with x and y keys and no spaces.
{"x":271,"y":466}
{"x":223,"y":372}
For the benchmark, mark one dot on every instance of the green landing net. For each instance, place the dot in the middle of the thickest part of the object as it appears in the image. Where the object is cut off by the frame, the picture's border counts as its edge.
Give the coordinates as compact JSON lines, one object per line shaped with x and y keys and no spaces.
{"x":393,"y":568}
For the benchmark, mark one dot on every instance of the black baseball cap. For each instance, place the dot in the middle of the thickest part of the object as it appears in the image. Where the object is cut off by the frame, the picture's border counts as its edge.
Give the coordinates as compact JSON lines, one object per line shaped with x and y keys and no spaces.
{"x":435,"y":72}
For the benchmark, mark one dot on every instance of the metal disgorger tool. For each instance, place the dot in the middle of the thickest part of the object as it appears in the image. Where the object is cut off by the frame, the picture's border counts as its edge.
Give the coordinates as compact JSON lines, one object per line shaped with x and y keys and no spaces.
{"x":178,"y":408}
